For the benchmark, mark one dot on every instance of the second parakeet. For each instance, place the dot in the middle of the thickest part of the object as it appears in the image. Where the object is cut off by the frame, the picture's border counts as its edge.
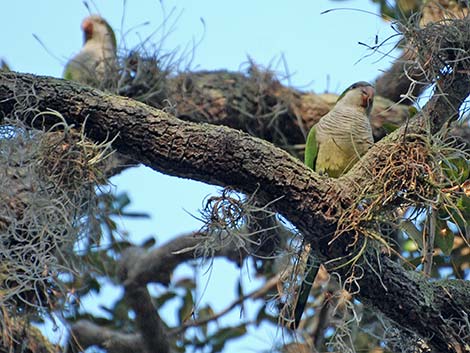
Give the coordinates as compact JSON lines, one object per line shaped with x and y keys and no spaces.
{"x":333,"y":146}
{"x":97,"y":58}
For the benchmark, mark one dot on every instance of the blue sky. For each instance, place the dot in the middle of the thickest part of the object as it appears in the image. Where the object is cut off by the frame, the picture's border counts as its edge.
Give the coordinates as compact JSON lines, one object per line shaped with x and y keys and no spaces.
{"x":321,"y":51}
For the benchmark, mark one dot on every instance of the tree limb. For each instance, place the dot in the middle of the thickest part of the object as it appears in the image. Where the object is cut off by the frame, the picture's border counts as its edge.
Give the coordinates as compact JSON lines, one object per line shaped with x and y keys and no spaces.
{"x":148,"y":321}
{"x":84,"y":334}
{"x":139,"y":267}
{"x":440,"y":307}
{"x":258,"y":293}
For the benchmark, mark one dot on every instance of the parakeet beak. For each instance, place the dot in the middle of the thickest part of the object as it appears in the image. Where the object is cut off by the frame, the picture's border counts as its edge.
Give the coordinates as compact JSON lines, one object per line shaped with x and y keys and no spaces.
{"x":367,"y":96}
{"x":87,"y":28}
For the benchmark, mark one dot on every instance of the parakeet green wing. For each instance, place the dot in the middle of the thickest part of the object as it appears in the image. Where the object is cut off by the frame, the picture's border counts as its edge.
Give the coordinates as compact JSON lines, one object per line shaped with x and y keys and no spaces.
{"x":68,"y":75}
{"x":311,"y":149}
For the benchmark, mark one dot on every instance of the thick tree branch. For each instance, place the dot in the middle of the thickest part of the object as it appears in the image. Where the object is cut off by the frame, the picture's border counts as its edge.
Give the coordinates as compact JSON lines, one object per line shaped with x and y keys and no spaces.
{"x":212,"y":154}
{"x":139,"y":267}
{"x":148,"y":321}
{"x":84,"y":334}
{"x":440,"y":307}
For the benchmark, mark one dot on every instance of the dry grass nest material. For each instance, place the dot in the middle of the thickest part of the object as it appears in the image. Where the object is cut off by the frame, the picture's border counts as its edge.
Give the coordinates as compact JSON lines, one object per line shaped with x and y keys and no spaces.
{"x":417,"y":171}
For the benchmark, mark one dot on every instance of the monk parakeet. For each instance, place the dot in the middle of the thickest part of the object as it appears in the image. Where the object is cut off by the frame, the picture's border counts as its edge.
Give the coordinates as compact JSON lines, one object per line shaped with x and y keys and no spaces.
{"x":343,"y":135}
{"x":333,"y":145}
{"x":97,"y":58}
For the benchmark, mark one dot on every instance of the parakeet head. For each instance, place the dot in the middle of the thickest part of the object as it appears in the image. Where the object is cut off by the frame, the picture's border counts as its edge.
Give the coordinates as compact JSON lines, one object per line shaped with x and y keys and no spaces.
{"x":97,"y":29}
{"x":360,"y":94}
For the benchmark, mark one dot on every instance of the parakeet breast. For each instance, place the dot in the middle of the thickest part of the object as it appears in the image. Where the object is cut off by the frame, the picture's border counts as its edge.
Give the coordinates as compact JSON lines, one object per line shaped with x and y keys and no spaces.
{"x":343,"y":137}
{"x":91,"y":64}
{"x":334,"y":160}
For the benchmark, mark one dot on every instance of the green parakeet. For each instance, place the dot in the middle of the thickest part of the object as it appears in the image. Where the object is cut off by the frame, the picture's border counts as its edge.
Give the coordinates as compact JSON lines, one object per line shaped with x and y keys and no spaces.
{"x":333,"y":146}
{"x":343,"y":135}
{"x":97,"y":58}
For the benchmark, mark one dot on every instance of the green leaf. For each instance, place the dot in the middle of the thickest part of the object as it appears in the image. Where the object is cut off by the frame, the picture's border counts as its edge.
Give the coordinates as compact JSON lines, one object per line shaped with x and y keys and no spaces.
{"x":92,"y":284}
{"x":149,"y":242}
{"x":186,"y":309}
{"x":413,"y":232}
{"x":311,"y":149}
{"x":389,"y":127}
{"x":463,"y":205}
{"x":122,"y":200}
{"x":119,"y":245}
{"x":120,"y":310}
{"x":461,"y":214}
{"x":261,"y":315}
{"x":410,"y":245}
{"x":162,"y":299}
{"x":457,"y":169}
{"x":239,"y":288}
{"x":221,"y":337}
{"x":4,"y":66}
{"x":444,"y":238}
{"x":187,"y":283}
{"x":205,"y":313}
{"x":110,"y":224}
{"x":135,"y":214}
{"x":416,"y":261}
{"x":412,"y":111}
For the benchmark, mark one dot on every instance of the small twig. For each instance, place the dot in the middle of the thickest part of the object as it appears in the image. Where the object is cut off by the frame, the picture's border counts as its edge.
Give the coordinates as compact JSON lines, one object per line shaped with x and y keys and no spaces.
{"x":428,"y":242}
{"x":84,"y":334}
{"x":258,"y":293}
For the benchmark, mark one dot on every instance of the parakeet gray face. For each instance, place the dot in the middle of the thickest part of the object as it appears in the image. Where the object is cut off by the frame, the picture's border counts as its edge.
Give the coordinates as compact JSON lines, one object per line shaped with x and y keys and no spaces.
{"x":359,"y":94}
{"x":87,"y":28}
{"x":96,"y":28}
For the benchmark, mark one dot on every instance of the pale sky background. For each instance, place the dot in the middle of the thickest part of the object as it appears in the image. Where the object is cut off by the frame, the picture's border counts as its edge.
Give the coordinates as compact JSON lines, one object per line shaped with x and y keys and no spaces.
{"x":321,"y":51}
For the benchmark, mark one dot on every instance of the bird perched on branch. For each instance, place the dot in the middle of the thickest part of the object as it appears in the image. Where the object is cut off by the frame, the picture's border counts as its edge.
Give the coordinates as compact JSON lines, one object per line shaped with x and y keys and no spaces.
{"x":97,"y":58}
{"x":333,"y":146}
{"x":343,"y":135}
